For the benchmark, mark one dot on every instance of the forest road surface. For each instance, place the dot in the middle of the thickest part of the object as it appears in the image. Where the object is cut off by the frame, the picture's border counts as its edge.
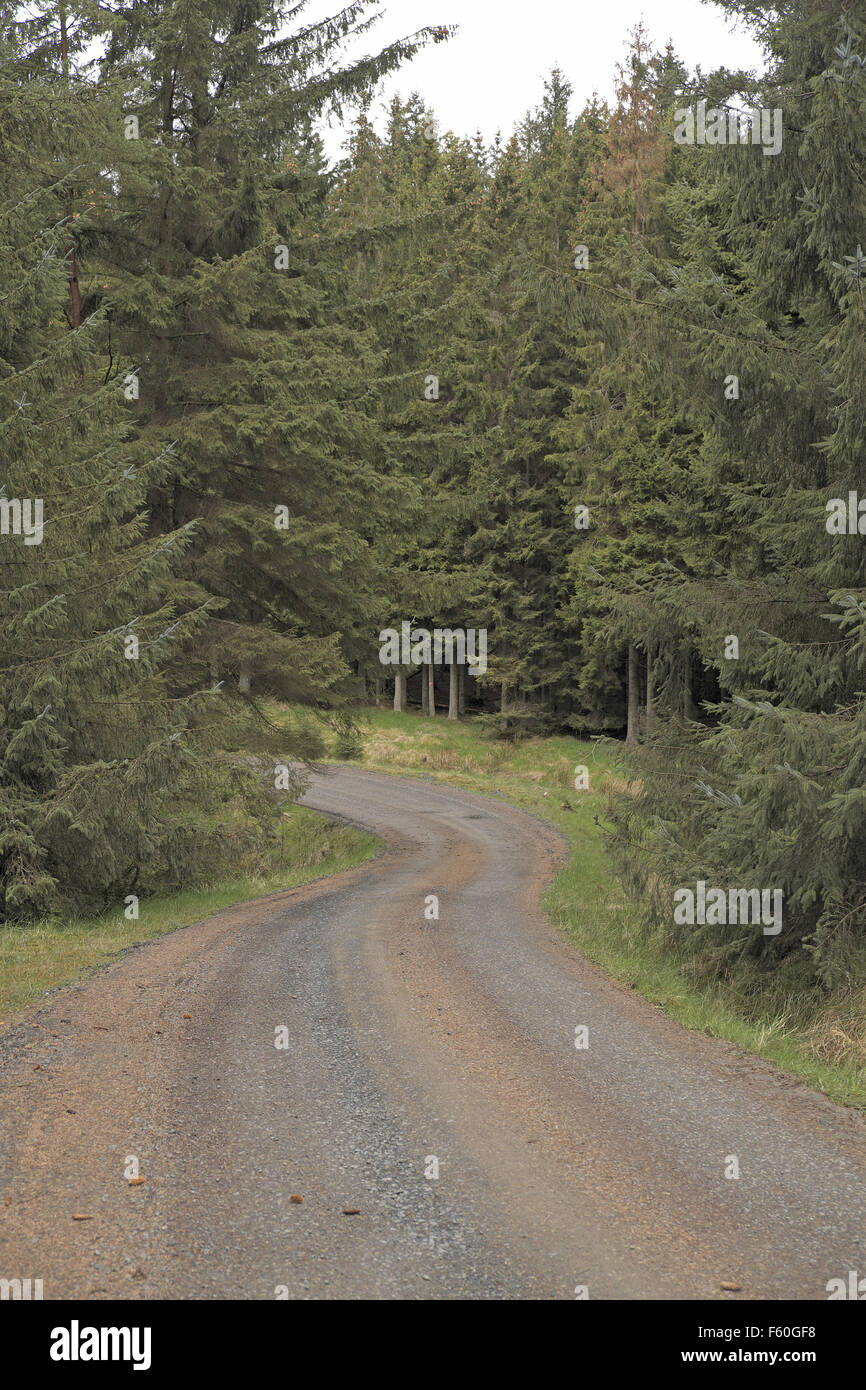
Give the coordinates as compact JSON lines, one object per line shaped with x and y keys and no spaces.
{"x":411,"y":1044}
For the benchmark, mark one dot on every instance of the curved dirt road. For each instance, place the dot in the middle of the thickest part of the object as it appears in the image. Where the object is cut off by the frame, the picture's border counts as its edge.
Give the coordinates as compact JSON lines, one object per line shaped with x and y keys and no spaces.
{"x":408,"y":1040}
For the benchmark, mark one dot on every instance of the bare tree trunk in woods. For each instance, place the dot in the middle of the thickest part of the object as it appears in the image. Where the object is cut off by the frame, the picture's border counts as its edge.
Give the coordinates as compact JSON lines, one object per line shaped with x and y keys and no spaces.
{"x":71,"y":258}
{"x":633,"y":698}
{"x":425,"y":691}
{"x":461,"y":690}
{"x":166,"y":220}
{"x":650,"y":689}
{"x":453,"y":697}
{"x":400,"y":693}
{"x":689,"y":707}
{"x":431,"y":699}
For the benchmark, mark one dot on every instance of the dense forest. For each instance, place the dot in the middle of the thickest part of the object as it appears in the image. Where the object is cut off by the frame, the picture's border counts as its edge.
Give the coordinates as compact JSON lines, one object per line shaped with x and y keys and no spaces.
{"x":596,"y":389}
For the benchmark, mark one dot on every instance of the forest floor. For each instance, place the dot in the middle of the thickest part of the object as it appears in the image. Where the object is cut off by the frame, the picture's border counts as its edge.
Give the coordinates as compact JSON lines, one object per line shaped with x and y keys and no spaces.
{"x":819,"y":1038}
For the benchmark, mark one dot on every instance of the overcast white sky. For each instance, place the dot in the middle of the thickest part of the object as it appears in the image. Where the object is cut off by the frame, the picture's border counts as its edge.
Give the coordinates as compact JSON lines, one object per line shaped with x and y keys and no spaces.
{"x":492,"y":71}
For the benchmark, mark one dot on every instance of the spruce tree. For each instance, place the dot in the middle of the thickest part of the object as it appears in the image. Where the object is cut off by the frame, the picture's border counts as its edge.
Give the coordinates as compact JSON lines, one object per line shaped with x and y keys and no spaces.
{"x":771,"y":793}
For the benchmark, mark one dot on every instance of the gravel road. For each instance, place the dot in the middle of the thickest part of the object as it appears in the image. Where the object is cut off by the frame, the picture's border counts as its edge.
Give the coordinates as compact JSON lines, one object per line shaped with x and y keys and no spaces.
{"x":413,"y":1047}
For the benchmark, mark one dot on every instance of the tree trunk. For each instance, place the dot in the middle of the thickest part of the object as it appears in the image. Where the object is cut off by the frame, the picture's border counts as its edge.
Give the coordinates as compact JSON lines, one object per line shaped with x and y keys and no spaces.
{"x":461,"y":690}
{"x":453,"y":697}
{"x":650,"y":690}
{"x":431,"y":699}
{"x":244,"y":682}
{"x":689,"y":706}
{"x":633,"y":698}
{"x":425,"y":691}
{"x":400,"y":693}
{"x":71,"y":258}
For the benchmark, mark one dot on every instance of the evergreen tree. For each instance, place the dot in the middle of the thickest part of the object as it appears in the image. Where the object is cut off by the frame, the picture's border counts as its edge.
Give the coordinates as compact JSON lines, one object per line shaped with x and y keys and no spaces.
{"x":90,"y":739}
{"x":233,"y":309}
{"x":771,"y":793}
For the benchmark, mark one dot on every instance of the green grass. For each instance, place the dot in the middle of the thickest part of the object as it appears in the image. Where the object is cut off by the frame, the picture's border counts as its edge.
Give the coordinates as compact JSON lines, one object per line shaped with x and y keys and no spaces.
{"x":819,"y":1039}
{"x":45,"y":955}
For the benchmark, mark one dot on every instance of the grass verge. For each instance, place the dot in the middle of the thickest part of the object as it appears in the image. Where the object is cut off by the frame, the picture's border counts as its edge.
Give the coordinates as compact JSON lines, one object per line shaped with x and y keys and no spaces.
{"x":41,"y":957}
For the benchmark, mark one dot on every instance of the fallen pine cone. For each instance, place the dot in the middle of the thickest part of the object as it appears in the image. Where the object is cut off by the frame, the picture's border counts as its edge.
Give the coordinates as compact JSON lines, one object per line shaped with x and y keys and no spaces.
{"x":351,"y":1211}
{"x":296,"y":1199}
{"x":135,"y":1182}
{"x":730,"y":1287}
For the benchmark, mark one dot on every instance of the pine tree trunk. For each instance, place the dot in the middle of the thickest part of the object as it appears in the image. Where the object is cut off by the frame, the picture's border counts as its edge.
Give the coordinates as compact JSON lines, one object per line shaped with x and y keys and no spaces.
{"x":400,"y":693}
{"x":71,"y":258}
{"x":431,"y":699}
{"x":461,"y":690}
{"x":425,"y":691}
{"x":166,"y":220}
{"x":650,"y":689}
{"x":453,"y":697}
{"x":631,"y":737}
{"x":689,"y":707}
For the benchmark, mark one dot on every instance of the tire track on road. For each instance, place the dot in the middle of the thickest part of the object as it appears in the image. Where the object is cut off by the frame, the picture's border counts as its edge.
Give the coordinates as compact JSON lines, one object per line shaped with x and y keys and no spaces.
{"x":408,"y":1039}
